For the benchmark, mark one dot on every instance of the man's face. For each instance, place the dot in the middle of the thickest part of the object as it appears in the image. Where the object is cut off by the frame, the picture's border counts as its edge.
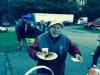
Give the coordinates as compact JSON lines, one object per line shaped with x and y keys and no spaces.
{"x":55,"y":30}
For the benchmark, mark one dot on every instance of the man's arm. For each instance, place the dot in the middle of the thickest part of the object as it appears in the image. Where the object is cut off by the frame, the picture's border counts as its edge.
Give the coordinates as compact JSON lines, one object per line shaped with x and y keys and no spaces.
{"x":75,"y":51}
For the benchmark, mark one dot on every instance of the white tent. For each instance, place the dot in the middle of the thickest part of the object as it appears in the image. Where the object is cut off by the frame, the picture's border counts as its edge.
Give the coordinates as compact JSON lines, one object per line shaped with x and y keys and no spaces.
{"x":54,"y":17}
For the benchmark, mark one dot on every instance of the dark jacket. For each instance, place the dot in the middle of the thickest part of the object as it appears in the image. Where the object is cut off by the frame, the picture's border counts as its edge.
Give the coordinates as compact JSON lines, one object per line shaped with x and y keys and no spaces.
{"x":32,"y":32}
{"x":60,"y":45}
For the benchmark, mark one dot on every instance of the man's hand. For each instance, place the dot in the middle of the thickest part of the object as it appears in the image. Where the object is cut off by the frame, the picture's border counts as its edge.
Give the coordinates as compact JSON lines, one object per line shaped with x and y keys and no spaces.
{"x":78,"y":57}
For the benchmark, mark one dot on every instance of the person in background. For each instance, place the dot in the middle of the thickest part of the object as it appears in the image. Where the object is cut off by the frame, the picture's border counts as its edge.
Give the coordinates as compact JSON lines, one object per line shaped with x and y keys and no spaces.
{"x":96,"y":54}
{"x":56,"y":42}
{"x":32,"y":32}
{"x":20,"y":33}
{"x":43,"y":26}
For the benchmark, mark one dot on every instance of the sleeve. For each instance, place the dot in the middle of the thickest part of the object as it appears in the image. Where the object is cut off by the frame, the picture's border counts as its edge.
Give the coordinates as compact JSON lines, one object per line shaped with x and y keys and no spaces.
{"x":32,"y":50}
{"x":73,"y":49}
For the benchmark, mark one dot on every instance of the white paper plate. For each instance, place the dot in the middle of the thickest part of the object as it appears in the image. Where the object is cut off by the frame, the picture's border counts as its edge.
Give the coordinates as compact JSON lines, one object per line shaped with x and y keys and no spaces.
{"x":50,"y":56}
{"x":75,"y":60}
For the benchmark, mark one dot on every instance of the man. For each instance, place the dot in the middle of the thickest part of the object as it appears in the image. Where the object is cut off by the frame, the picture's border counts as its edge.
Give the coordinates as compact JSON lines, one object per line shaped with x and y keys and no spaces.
{"x":20,"y":33}
{"x":56,"y":42}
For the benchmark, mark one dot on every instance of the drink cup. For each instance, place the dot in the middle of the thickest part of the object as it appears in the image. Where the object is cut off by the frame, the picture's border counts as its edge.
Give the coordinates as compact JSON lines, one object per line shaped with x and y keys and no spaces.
{"x":45,"y":51}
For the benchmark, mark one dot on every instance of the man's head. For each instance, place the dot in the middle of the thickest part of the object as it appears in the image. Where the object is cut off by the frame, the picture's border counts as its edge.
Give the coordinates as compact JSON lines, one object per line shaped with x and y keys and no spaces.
{"x":55,"y":29}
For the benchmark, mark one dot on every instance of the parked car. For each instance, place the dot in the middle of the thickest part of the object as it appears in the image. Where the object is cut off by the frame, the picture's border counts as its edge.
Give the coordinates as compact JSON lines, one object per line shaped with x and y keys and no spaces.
{"x":66,"y":23}
{"x":82,"y":20}
{"x":3,"y":29}
{"x":94,"y":24}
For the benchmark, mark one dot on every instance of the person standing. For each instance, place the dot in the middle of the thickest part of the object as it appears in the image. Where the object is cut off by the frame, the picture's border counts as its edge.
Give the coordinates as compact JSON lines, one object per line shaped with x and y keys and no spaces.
{"x":96,"y":54}
{"x":20,"y":33}
{"x":56,"y":42}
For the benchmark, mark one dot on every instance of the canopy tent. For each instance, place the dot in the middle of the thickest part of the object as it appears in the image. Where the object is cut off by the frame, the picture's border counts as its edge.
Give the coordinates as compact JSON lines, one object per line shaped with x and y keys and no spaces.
{"x":53,"y":17}
{"x":29,"y":17}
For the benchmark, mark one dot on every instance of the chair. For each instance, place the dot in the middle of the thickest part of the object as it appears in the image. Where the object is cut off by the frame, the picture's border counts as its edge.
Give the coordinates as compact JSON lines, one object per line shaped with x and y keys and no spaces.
{"x":30,"y":71}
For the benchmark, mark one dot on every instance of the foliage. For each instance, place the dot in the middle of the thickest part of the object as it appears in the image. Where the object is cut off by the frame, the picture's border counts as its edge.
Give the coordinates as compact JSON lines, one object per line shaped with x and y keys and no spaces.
{"x":13,"y":9}
{"x":94,"y":7}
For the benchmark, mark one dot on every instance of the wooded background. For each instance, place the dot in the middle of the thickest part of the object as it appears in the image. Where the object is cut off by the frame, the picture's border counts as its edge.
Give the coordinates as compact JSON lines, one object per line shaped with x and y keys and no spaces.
{"x":13,"y":9}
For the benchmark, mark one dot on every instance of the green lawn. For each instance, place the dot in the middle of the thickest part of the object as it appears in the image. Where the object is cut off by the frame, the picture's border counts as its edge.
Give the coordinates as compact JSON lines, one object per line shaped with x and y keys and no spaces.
{"x":7,"y":41}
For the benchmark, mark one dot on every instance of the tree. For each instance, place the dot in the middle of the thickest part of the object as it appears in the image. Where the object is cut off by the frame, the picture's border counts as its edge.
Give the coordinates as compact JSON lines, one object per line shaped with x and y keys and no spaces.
{"x":93,"y":8}
{"x":13,"y":9}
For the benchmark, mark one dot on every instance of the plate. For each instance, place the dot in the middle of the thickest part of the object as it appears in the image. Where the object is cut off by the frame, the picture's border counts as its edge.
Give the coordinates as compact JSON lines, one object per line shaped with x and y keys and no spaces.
{"x":49,"y":56}
{"x":75,"y":60}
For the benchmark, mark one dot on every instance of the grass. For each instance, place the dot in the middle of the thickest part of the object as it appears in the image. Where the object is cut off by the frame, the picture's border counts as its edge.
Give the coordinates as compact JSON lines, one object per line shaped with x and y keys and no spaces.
{"x":7,"y":41}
